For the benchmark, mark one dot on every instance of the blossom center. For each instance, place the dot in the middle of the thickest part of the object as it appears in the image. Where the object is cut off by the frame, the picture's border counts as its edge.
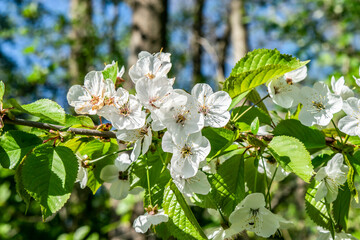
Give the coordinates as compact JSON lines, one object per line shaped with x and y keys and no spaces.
{"x":181,"y":118}
{"x":204,"y":110}
{"x":318,"y":105}
{"x":109,"y":101}
{"x":123,"y":175}
{"x":186,"y":151}
{"x":152,"y":210}
{"x":125,"y":110}
{"x":289,"y":81}
{"x":150,"y":75}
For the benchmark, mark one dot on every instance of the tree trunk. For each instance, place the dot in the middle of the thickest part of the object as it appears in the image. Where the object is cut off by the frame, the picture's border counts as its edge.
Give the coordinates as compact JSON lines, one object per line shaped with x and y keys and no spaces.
{"x":82,"y":39}
{"x":239,"y":37}
{"x":148,"y":31}
{"x":197,"y":34}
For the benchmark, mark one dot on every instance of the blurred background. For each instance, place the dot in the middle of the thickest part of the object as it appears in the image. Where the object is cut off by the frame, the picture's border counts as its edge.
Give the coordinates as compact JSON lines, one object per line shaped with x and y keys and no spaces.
{"x":46,"y":46}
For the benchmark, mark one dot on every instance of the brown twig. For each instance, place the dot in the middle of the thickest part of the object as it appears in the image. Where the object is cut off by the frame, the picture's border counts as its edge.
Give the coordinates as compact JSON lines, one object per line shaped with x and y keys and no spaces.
{"x":78,"y":131}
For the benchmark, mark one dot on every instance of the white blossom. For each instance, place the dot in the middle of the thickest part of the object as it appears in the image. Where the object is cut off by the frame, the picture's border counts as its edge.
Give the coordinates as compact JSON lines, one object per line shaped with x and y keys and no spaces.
{"x":251,"y":215}
{"x":213,"y":106}
{"x":319,"y":105}
{"x":350,"y":124}
{"x":152,"y":93}
{"x":117,"y":175}
{"x":340,"y":88}
{"x":82,"y":176}
{"x":270,"y":168}
{"x":180,"y":115}
{"x":187,"y":153}
{"x":126,"y":112}
{"x":330,"y":178}
{"x":326,"y":235}
{"x":88,"y":99}
{"x":142,"y":138}
{"x":357,"y":80}
{"x":188,"y":186}
{"x":151,"y":217}
{"x":283,"y":91}
{"x":150,"y":66}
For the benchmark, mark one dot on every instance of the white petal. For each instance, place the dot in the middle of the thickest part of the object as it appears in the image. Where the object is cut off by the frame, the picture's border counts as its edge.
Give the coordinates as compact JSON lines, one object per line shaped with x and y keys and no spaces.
{"x":298,"y":74}
{"x":321,"y":191}
{"x":109,"y":173}
{"x":119,"y":189}
{"x":158,"y":218}
{"x":167,"y":143}
{"x":122,"y":162}
{"x":254,"y":201}
{"x":141,"y":224}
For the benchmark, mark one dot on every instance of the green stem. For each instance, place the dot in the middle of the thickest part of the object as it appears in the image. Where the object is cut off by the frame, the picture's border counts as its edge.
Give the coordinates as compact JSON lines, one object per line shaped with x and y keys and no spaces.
{"x":248,"y":109}
{"x":268,"y":196}
{"x":346,"y":139}
{"x":110,"y":154}
{"x":246,"y":98}
{"x":148,"y":180}
{"x":338,"y":131}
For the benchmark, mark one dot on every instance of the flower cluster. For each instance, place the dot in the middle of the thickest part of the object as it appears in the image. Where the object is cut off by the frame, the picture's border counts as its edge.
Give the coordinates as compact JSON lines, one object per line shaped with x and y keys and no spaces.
{"x":156,"y":106}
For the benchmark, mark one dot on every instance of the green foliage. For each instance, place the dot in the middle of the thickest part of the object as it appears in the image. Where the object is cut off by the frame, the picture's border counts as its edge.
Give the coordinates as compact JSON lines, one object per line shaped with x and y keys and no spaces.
{"x":44,"y":109}
{"x":228,"y":184}
{"x":182,"y":223}
{"x":78,"y":121}
{"x":14,"y":145}
{"x":257,"y":68}
{"x":220,"y":139}
{"x":255,"y":98}
{"x":48,"y":174}
{"x":254,"y":126}
{"x":317,"y":210}
{"x":237,"y":99}
{"x":244,"y":122}
{"x":313,"y":139}
{"x":292,"y":155}
{"x":2,"y":90}
{"x":111,"y":72}
{"x":341,"y":208}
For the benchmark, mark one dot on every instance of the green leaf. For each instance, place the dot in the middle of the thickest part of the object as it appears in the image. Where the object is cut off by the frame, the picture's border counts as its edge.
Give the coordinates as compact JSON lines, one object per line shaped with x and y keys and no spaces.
{"x":244,"y":122}
{"x":316,"y":210}
{"x":219,"y":138}
{"x":254,"y":97}
{"x":182,"y":222}
{"x":44,"y":108}
{"x":20,"y":189}
{"x":292,"y":155}
{"x":311,"y":138}
{"x":78,"y":121}
{"x":14,"y":145}
{"x":48,"y":174}
{"x":351,"y":173}
{"x":254,"y":127}
{"x":111,"y":72}
{"x":341,"y":208}
{"x":228,"y":184}
{"x":2,"y":90}
{"x":157,"y":177}
{"x":257,"y":68}
{"x":237,"y":99}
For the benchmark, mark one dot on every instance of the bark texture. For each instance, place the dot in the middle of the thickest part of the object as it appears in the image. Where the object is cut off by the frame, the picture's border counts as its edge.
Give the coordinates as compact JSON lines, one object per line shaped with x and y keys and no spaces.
{"x":239,"y":35}
{"x":82,"y":40}
{"x":197,"y":34}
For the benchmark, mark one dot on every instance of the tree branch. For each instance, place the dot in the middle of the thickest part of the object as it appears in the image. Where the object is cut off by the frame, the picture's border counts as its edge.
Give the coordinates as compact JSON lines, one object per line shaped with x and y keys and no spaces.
{"x":78,"y":131}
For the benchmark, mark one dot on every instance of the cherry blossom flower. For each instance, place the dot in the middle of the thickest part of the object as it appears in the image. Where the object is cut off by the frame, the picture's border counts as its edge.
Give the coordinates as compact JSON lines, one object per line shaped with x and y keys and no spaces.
{"x":269,"y":166}
{"x":187,"y":153}
{"x":188,"y":186}
{"x":180,"y":115}
{"x":153,"y":216}
{"x":251,"y":215}
{"x":330,"y":178}
{"x":117,"y":175}
{"x":357,"y":80}
{"x":151,"y":66}
{"x":319,"y":105}
{"x":350,"y":124}
{"x":340,"y":88}
{"x":142,"y":138}
{"x":283,"y":91}
{"x":213,"y":106}
{"x":152,"y":93}
{"x":126,"y":112}
{"x":88,"y":99}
